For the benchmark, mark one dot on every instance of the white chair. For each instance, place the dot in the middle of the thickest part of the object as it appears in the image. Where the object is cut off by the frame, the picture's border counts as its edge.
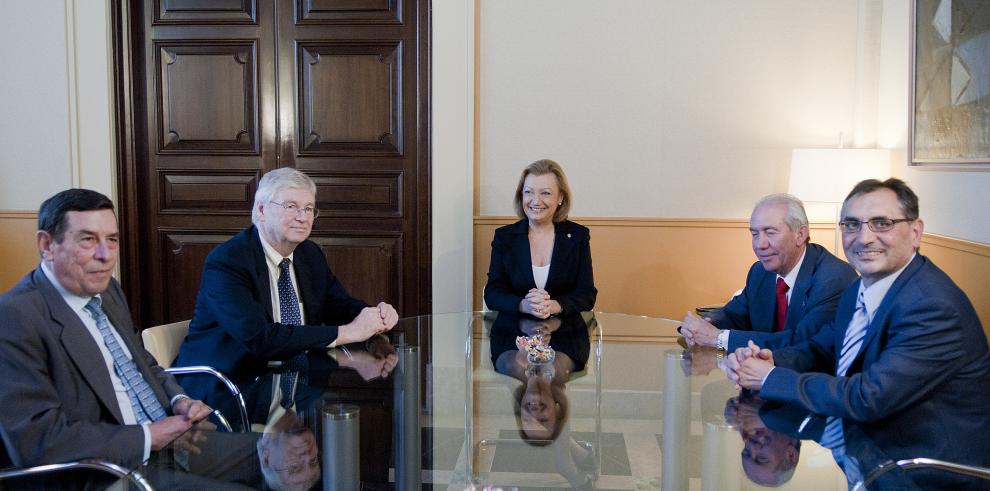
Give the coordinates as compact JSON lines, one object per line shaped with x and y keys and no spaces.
{"x":163,"y":343}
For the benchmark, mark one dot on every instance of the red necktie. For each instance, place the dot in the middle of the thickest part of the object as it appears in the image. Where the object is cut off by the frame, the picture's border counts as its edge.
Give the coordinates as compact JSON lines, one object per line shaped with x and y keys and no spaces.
{"x":781,"y":305}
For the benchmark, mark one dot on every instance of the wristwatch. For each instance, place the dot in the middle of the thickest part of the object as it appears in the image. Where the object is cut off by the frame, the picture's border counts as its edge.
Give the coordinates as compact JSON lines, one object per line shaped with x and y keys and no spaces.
{"x":719,"y":343}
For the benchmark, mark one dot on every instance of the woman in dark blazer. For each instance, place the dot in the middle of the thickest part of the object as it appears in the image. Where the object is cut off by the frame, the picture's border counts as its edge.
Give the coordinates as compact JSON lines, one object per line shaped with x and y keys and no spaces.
{"x":541,"y":265}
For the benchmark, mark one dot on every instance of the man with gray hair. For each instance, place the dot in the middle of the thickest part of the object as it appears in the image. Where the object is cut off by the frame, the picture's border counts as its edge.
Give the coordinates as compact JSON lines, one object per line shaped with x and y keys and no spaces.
{"x":268,"y":293}
{"x":791,"y":291}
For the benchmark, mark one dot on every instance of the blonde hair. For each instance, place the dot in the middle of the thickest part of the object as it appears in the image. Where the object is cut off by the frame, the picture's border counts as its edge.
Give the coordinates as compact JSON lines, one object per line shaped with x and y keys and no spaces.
{"x":539,"y":168}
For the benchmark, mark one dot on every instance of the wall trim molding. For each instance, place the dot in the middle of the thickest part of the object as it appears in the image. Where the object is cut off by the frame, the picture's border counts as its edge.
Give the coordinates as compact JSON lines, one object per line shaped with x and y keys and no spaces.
{"x":978,"y":248}
{"x":962,"y":245}
{"x":22,"y":214}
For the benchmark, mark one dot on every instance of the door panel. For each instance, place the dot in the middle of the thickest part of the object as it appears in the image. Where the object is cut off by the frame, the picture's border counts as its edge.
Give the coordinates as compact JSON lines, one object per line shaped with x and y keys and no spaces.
{"x":212,"y":94}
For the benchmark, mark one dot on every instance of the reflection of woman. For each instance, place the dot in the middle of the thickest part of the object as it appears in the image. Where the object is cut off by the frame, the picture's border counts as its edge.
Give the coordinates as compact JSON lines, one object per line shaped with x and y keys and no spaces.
{"x":541,"y":402}
{"x":768,"y":457}
{"x":541,"y":265}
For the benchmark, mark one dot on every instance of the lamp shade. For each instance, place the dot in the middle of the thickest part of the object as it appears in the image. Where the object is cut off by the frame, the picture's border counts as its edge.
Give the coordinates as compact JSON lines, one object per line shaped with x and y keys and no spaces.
{"x":828,"y":174}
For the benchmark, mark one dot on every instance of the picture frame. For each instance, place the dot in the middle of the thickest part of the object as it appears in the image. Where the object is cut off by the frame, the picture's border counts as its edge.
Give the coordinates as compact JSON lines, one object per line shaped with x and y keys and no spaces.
{"x":950,"y":82}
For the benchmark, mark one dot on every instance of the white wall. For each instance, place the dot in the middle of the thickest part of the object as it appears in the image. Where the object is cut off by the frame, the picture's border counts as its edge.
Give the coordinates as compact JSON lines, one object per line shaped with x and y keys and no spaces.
{"x":452,"y":146}
{"x":34,"y":91}
{"x":56,"y":98}
{"x":954,"y":202}
{"x":662,"y":108}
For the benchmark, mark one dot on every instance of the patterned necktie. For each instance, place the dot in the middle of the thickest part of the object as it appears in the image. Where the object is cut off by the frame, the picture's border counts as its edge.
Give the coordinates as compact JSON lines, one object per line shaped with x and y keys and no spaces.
{"x":781,"y":305}
{"x":833,"y":436}
{"x":146,"y":406}
{"x":288,"y":304}
{"x":853,"y":340}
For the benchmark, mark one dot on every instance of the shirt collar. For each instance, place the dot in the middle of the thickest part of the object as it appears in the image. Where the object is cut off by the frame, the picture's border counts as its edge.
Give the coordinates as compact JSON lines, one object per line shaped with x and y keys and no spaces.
{"x":792,"y":275}
{"x":76,"y":302}
{"x":873,"y":295}
{"x":273,"y":256}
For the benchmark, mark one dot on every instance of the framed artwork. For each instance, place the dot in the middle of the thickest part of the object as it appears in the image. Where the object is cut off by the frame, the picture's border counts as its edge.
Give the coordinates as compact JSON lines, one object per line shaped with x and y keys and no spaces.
{"x":950,"y":82}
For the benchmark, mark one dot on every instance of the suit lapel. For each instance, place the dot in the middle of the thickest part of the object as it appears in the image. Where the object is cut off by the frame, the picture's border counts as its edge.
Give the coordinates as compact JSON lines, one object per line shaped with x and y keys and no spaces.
{"x":563,"y":247}
{"x":303,"y":280}
{"x":883,"y":311}
{"x":524,"y":257}
{"x":799,"y":294}
{"x":762,"y":318}
{"x":261,"y":275}
{"x":80,"y":345}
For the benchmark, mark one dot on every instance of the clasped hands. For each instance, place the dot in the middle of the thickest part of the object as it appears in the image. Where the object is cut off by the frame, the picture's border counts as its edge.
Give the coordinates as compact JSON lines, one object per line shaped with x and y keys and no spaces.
{"x":369,"y":322}
{"x":377,"y":362}
{"x":538,"y":303}
{"x":749,"y":365}
{"x":187,"y":413}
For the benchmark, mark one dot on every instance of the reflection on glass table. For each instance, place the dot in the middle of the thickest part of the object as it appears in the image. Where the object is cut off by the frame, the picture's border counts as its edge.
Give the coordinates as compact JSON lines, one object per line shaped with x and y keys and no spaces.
{"x":479,"y":400}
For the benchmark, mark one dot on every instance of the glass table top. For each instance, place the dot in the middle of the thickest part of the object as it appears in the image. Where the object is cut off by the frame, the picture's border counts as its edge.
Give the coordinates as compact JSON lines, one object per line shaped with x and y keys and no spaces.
{"x":481,"y":400}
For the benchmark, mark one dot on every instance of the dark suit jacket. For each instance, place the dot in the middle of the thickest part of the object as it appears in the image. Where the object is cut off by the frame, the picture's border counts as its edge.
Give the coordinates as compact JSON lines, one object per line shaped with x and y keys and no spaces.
{"x":918,"y":387}
{"x":233,"y":328}
{"x":814,"y":298}
{"x":58,"y":401}
{"x":510,"y":275}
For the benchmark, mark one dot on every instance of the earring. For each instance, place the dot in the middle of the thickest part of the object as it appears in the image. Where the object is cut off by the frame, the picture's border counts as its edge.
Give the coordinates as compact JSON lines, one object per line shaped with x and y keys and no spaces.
{"x":560,"y":203}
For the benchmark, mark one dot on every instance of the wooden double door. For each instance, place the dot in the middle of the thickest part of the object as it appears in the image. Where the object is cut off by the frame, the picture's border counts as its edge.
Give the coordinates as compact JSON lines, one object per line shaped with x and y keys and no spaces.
{"x":211,"y":94}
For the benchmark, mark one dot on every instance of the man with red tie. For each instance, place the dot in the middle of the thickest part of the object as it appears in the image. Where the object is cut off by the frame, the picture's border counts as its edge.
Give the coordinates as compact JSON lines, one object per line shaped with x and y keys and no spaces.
{"x":791,"y":291}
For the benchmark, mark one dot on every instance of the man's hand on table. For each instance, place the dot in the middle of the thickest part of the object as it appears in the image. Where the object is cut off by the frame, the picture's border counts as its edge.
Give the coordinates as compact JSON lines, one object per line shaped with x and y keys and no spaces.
{"x":698,"y":331}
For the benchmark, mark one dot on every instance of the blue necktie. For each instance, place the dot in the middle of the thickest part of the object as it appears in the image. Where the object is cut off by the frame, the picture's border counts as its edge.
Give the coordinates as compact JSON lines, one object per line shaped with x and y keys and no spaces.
{"x":288,"y":304}
{"x":146,"y":406}
{"x":852,"y":343}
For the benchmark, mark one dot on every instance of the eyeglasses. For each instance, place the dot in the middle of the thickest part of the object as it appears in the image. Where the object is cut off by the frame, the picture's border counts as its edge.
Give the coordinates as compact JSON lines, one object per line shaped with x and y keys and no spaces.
{"x":878,"y":224}
{"x":297,"y":468}
{"x":294,"y":209}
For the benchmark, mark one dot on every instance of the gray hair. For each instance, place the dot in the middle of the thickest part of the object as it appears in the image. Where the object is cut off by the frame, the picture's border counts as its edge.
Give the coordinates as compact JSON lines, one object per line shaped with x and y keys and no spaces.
{"x":277,"y":180}
{"x":272,"y":478}
{"x":796,"y":216}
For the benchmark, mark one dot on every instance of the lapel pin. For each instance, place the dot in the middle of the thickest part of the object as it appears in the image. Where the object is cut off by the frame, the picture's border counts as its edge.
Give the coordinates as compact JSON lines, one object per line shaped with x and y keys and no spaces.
{"x":568,"y":236}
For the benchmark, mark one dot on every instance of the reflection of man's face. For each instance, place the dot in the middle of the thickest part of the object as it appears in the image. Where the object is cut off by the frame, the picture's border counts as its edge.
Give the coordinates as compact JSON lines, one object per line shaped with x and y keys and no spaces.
{"x":767,"y":455}
{"x":294,"y":456}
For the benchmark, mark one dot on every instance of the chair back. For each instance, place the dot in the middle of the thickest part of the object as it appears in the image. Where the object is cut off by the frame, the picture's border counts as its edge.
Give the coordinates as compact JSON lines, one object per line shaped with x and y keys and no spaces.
{"x":163,"y":341}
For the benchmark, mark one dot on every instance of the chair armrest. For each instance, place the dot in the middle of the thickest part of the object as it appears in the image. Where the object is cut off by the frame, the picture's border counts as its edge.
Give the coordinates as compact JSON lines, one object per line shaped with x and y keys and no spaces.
{"x":922,"y":463}
{"x":231,"y":387}
{"x":115,"y":470}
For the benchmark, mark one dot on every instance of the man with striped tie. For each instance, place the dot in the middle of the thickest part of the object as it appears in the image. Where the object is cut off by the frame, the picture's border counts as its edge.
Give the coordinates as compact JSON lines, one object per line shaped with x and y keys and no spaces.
{"x":905,"y":359}
{"x":76,"y":383}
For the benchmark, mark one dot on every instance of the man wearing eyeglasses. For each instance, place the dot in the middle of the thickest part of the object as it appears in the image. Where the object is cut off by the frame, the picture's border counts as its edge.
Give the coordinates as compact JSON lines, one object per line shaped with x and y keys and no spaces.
{"x":791,"y":291}
{"x":268,"y":294}
{"x":906,"y":357}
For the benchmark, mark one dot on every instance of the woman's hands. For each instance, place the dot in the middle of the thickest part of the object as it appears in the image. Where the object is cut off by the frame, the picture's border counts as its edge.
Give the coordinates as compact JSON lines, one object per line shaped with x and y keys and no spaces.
{"x":538,"y":303}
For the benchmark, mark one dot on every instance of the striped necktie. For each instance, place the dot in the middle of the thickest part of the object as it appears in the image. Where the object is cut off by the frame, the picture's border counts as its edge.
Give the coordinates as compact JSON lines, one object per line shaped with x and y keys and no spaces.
{"x":852,"y":343}
{"x":146,"y":406}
